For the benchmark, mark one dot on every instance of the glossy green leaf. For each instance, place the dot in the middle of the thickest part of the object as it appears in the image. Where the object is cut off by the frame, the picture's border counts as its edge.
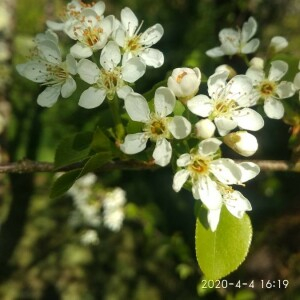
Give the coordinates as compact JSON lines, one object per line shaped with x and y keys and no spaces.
{"x":63,"y":183}
{"x":221,"y":252}
{"x":73,"y":149}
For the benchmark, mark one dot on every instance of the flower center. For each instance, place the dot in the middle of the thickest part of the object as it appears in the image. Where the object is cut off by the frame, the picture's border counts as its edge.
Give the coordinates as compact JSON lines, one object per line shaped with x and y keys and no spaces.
{"x":267,"y":88}
{"x":56,"y":74}
{"x":91,"y":35}
{"x":223,"y":108}
{"x":157,"y":128}
{"x":110,"y":81}
{"x":199,"y":166}
{"x":180,"y":76}
{"x":133,"y":44}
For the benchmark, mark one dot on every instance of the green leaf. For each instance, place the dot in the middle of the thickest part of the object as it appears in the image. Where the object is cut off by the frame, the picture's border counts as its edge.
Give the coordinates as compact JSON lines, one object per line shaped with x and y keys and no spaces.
{"x":101,"y":142}
{"x":64,"y":183}
{"x":73,"y":149}
{"x":95,"y":162}
{"x":221,"y":252}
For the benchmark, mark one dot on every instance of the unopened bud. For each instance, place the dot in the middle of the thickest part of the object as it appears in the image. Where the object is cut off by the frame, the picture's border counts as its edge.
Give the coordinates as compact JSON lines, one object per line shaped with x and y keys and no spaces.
{"x":278,"y":43}
{"x":241,"y":142}
{"x":185,"y":82}
{"x":227,"y":68}
{"x":257,"y":62}
{"x":205,"y":129}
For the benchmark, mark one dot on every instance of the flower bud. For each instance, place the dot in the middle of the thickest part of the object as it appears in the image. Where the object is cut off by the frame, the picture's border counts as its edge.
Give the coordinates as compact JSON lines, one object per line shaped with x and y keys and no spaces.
{"x":227,"y":68}
{"x":185,"y":82}
{"x":241,"y":142}
{"x":278,"y":43}
{"x":257,"y":62}
{"x":205,"y":129}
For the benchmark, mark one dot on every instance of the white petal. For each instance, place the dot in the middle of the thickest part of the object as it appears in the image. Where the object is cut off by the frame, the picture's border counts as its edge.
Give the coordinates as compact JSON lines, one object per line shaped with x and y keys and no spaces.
{"x":50,"y":51}
{"x":129,"y":21}
{"x":209,"y":193}
{"x":162,"y":153}
{"x":68,"y":88}
{"x":88,"y":71}
{"x":237,"y":204}
{"x":278,"y":70}
{"x":81,"y":51}
{"x":137,"y":107}
{"x":164,"y":101}
{"x":239,"y":88}
{"x":120,"y":37}
{"x":249,"y":119}
{"x":184,"y":160}
{"x":285,"y":90}
{"x":152,"y":35}
{"x":200,"y":105}
{"x":251,"y":46}
{"x":133,"y":69}
{"x":248,"y":30}
{"x":215,"y":52}
{"x":180,"y":127}
{"x":249,"y":170}
{"x":71,"y":64}
{"x":255,"y":74}
{"x":152,"y":57}
{"x":49,"y":96}
{"x":226,"y":170}
{"x":92,"y":97}
{"x":224,"y":125}
{"x":217,"y":83}
{"x":179,"y":179}
{"x":213,"y":217}
{"x":273,"y":108}
{"x":297,"y":81}
{"x":56,"y":26}
{"x":99,"y":8}
{"x":209,"y":146}
{"x":134,"y":143}
{"x":33,"y":70}
{"x":110,"y":56}
{"x":124,"y":91}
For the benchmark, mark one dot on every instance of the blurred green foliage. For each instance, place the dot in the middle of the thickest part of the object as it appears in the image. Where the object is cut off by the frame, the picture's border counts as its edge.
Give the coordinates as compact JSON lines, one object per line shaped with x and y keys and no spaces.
{"x":152,"y":257}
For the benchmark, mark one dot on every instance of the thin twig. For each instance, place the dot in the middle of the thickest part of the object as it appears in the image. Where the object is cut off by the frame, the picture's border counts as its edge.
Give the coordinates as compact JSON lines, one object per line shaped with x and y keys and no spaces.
{"x":29,"y":166}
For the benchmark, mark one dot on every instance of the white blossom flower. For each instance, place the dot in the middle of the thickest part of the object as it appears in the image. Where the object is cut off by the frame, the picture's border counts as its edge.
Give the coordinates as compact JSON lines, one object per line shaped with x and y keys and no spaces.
{"x":211,"y":178}
{"x":48,"y":69}
{"x":241,"y":142}
{"x":270,"y":89}
{"x":111,"y":79}
{"x":159,"y":127}
{"x":73,"y":12}
{"x":184,"y":82}
{"x":113,"y":209}
{"x":135,"y":44}
{"x":278,"y":43}
{"x":90,"y":31}
{"x":228,"y":104}
{"x":236,"y":41}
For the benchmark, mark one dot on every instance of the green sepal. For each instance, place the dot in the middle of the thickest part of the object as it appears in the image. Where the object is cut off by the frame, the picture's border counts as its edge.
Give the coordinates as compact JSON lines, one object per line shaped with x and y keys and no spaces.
{"x":221,"y":252}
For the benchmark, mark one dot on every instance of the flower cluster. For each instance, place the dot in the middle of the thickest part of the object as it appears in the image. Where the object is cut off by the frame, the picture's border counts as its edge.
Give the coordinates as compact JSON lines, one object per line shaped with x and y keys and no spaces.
{"x":94,"y":206}
{"x":124,"y":53}
{"x":171,"y":124}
